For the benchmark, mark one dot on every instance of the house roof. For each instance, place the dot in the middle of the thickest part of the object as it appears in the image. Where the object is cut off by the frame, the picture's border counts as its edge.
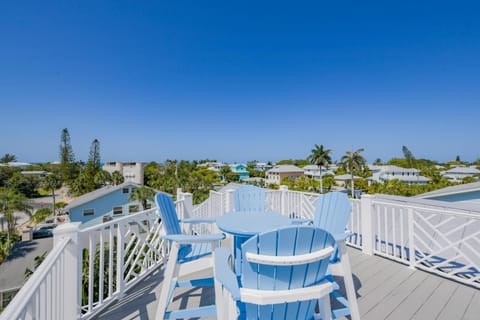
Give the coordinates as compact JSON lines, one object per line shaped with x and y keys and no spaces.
{"x":408,"y":178}
{"x":344,"y":177}
{"x":97,"y":194}
{"x":464,"y":170}
{"x":461,"y":188}
{"x":285,"y":168}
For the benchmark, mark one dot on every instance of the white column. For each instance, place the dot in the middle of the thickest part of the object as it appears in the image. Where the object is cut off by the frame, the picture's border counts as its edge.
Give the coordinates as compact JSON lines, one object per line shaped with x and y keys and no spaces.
{"x":73,"y":269}
{"x":229,"y":200}
{"x":283,"y":199}
{"x":411,"y":238}
{"x":187,"y":205}
{"x":366,"y":214}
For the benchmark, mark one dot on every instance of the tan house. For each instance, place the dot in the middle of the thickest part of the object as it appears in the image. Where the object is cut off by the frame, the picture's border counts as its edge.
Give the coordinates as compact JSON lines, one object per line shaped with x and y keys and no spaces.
{"x":277,"y":173}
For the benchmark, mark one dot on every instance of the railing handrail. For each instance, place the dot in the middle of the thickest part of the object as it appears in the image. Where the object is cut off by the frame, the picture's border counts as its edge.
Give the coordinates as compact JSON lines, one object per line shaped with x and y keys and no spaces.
{"x":17,"y":306}
{"x":117,"y":220}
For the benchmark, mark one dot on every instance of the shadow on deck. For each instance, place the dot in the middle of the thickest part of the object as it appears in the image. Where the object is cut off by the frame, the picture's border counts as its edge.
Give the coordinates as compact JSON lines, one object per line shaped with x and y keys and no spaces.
{"x":385,"y":290}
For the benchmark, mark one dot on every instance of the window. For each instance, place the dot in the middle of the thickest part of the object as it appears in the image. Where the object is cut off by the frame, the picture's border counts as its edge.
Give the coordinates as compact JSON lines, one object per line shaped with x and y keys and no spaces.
{"x":117,"y":210}
{"x":148,"y":206}
{"x":88,"y":212}
{"x":133,"y":208}
{"x":125,"y":190}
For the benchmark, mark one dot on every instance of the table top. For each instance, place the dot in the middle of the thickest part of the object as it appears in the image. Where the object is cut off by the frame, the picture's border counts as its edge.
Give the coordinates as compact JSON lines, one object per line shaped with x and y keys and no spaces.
{"x":251,"y":223}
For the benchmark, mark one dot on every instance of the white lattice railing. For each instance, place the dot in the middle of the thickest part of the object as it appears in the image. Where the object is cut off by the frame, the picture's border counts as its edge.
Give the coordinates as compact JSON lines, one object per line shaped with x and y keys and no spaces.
{"x":45,"y":295}
{"x":89,"y":268}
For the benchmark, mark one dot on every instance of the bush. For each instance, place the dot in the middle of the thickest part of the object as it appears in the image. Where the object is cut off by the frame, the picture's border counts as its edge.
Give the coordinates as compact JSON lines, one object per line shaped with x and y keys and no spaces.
{"x":41,"y":215}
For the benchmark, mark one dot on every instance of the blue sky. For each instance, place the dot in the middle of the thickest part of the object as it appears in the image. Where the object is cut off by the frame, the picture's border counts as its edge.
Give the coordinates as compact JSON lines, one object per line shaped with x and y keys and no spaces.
{"x":238,"y":81}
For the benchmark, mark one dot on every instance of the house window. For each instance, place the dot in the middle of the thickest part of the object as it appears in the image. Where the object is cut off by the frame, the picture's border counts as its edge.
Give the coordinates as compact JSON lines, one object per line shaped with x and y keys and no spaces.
{"x":133,"y":208}
{"x":117,"y":210}
{"x":88,"y":212}
{"x":125,"y":190}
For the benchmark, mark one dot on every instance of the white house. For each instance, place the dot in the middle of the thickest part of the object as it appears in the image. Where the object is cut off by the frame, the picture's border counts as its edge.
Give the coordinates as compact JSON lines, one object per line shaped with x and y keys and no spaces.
{"x":313,"y":171}
{"x":262,"y":166}
{"x":458,"y":173}
{"x":131,"y":171}
{"x":390,"y":172}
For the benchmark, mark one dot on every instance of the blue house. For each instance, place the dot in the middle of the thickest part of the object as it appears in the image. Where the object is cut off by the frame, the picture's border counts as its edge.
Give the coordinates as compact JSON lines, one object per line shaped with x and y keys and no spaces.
{"x":109,"y":200}
{"x":241,"y":170}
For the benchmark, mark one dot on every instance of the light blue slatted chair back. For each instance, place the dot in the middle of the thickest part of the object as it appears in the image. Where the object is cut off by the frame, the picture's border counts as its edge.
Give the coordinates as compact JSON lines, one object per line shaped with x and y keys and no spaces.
{"x":168,"y":213}
{"x":287,"y":241}
{"x":249,"y":198}
{"x":332,"y":212}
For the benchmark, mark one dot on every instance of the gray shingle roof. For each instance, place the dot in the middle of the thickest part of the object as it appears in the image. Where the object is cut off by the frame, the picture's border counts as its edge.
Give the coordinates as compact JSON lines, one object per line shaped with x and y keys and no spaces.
{"x":462,"y":188}
{"x":285,"y":168}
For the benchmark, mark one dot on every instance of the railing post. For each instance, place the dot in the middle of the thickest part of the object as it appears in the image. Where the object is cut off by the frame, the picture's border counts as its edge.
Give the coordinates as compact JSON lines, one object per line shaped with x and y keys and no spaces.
{"x":187,"y":205}
{"x":411,"y":238}
{"x":120,"y":261}
{"x":73,"y":271}
{"x":229,"y":200}
{"x":283,"y":199}
{"x":366,"y":214}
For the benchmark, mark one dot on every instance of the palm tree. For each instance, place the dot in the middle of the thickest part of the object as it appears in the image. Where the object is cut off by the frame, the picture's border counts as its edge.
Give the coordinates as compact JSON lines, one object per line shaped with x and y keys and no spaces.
{"x":11,"y":201}
{"x":117,"y":178}
{"x":51,"y":183}
{"x":142,"y":194}
{"x":352,"y":161}
{"x":37,"y":261}
{"x":321,"y":158}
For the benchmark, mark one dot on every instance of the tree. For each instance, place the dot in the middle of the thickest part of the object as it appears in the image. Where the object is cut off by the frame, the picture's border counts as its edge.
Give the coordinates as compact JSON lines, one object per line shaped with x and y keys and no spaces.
{"x":378,"y":162}
{"x":321,"y":158}
{"x":8,"y":158}
{"x":26,"y":184}
{"x":102,"y":178}
{"x":142,"y":195}
{"x":37,"y":261}
{"x":10,"y":202}
{"x":408,"y":155}
{"x":51,"y":183}
{"x":67,"y":158}
{"x":117,"y":178}
{"x":352,"y":161}
{"x":40,"y":215}
{"x":93,"y":162}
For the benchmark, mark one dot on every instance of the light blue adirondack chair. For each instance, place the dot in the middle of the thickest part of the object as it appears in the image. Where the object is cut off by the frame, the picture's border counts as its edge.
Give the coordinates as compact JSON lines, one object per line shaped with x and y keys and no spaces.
{"x":282,"y":276}
{"x":332,"y":213}
{"x":249,"y":198}
{"x":189,"y":255}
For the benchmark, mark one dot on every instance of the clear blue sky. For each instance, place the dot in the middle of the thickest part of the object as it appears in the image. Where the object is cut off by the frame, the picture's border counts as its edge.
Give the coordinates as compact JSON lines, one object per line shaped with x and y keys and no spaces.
{"x":240,"y":80}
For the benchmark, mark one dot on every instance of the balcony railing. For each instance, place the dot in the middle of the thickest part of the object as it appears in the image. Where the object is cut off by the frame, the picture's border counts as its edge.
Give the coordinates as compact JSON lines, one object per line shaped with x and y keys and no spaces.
{"x":90,"y":268}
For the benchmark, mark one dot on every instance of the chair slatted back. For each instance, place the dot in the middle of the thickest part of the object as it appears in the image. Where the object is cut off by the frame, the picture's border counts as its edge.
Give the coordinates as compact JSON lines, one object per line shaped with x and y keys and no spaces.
{"x":289,"y":241}
{"x":249,"y":198}
{"x":332,"y":212}
{"x":168,"y":213}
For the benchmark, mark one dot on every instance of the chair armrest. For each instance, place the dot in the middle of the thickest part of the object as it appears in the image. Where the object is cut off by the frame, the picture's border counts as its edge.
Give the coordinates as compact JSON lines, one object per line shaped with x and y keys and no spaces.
{"x":223,"y":272}
{"x":341,"y":237}
{"x":199,"y":220}
{"x":184,"y":238}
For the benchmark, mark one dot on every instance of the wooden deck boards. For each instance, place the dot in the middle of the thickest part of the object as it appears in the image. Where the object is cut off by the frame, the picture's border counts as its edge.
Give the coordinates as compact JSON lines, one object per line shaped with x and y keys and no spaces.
{"x":386,"y":290}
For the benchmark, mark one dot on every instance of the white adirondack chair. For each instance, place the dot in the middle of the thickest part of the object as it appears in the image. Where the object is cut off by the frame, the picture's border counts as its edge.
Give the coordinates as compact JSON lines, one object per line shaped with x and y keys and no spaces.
{"x":190,"y":255}
{"x":332,"y":212}
{"x":282,"y":276}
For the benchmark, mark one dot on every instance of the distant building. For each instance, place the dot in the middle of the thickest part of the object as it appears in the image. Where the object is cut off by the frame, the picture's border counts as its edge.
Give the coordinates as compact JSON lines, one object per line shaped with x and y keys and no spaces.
{"x":15,"y":164}
{"x":131,"y":171}
{"x":389,"y":172}
{"x":109,"y":200}
{"x":262,"y":166}
{"x":462,"y":193}
{"x":40,"y":173}
{"x":458,"y":173}
{"x":241,"y":170}
{"x":313,"y":171}
{"x":277,"y":173}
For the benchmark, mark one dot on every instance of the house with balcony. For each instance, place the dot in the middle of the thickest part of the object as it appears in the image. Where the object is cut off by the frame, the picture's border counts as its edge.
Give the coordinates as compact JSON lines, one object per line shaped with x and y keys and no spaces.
{"x":456,"y":174}
{"x":131,"y":171}
{"x":313,"y":171}
{"x":390,"y":172}
{"x":277,"y":173}
{"x":240,"y":169}
{"x":262,"y":166}
{"x":111,"y":201}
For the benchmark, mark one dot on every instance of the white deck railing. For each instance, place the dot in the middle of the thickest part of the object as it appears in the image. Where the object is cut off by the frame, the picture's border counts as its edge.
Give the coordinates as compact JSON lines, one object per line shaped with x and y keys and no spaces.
{"x":89,"y":268}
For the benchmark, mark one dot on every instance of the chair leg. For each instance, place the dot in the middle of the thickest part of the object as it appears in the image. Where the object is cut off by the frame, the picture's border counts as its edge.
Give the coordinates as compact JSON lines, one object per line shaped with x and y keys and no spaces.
{"x":169,"y":275}
{"x":348,"y":280}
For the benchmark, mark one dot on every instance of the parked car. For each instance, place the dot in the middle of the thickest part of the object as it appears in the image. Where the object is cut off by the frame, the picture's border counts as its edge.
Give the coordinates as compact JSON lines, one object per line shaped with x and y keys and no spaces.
{"x":44,"y":231}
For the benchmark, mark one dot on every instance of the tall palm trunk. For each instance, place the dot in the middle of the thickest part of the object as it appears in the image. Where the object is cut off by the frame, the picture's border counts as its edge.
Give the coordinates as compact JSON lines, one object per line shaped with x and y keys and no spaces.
{"x":321,"y":180}
{"x":352,"y":182}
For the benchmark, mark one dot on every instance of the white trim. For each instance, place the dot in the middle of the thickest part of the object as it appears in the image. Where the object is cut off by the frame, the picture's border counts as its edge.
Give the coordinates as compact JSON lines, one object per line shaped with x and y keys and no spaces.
{"x":289,"y":260}
{"x":263,"y":297}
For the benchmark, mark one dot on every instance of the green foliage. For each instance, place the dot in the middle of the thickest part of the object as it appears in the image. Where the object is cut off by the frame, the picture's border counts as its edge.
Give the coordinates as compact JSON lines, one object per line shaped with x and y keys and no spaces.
{"x":298,"y":162}
{"x":10,"y":202}
{"x":41,"y":214}
{"x":68,"y":168}
{"x":37,"y":261}
{"x":143,"y":195}
{"x":102,"y":178}
{"x":189,"y":176}
{"x":6,"y":244}
{"x":6,"y":173}
{"x":25,"y":184}
{"x":8,"y":158}
{"x":117,"y":178}
{"x":321,"y":158}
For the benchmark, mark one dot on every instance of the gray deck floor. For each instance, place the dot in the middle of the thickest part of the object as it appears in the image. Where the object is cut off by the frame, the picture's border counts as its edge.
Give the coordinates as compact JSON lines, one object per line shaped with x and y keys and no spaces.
{"x":385,"y":290}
